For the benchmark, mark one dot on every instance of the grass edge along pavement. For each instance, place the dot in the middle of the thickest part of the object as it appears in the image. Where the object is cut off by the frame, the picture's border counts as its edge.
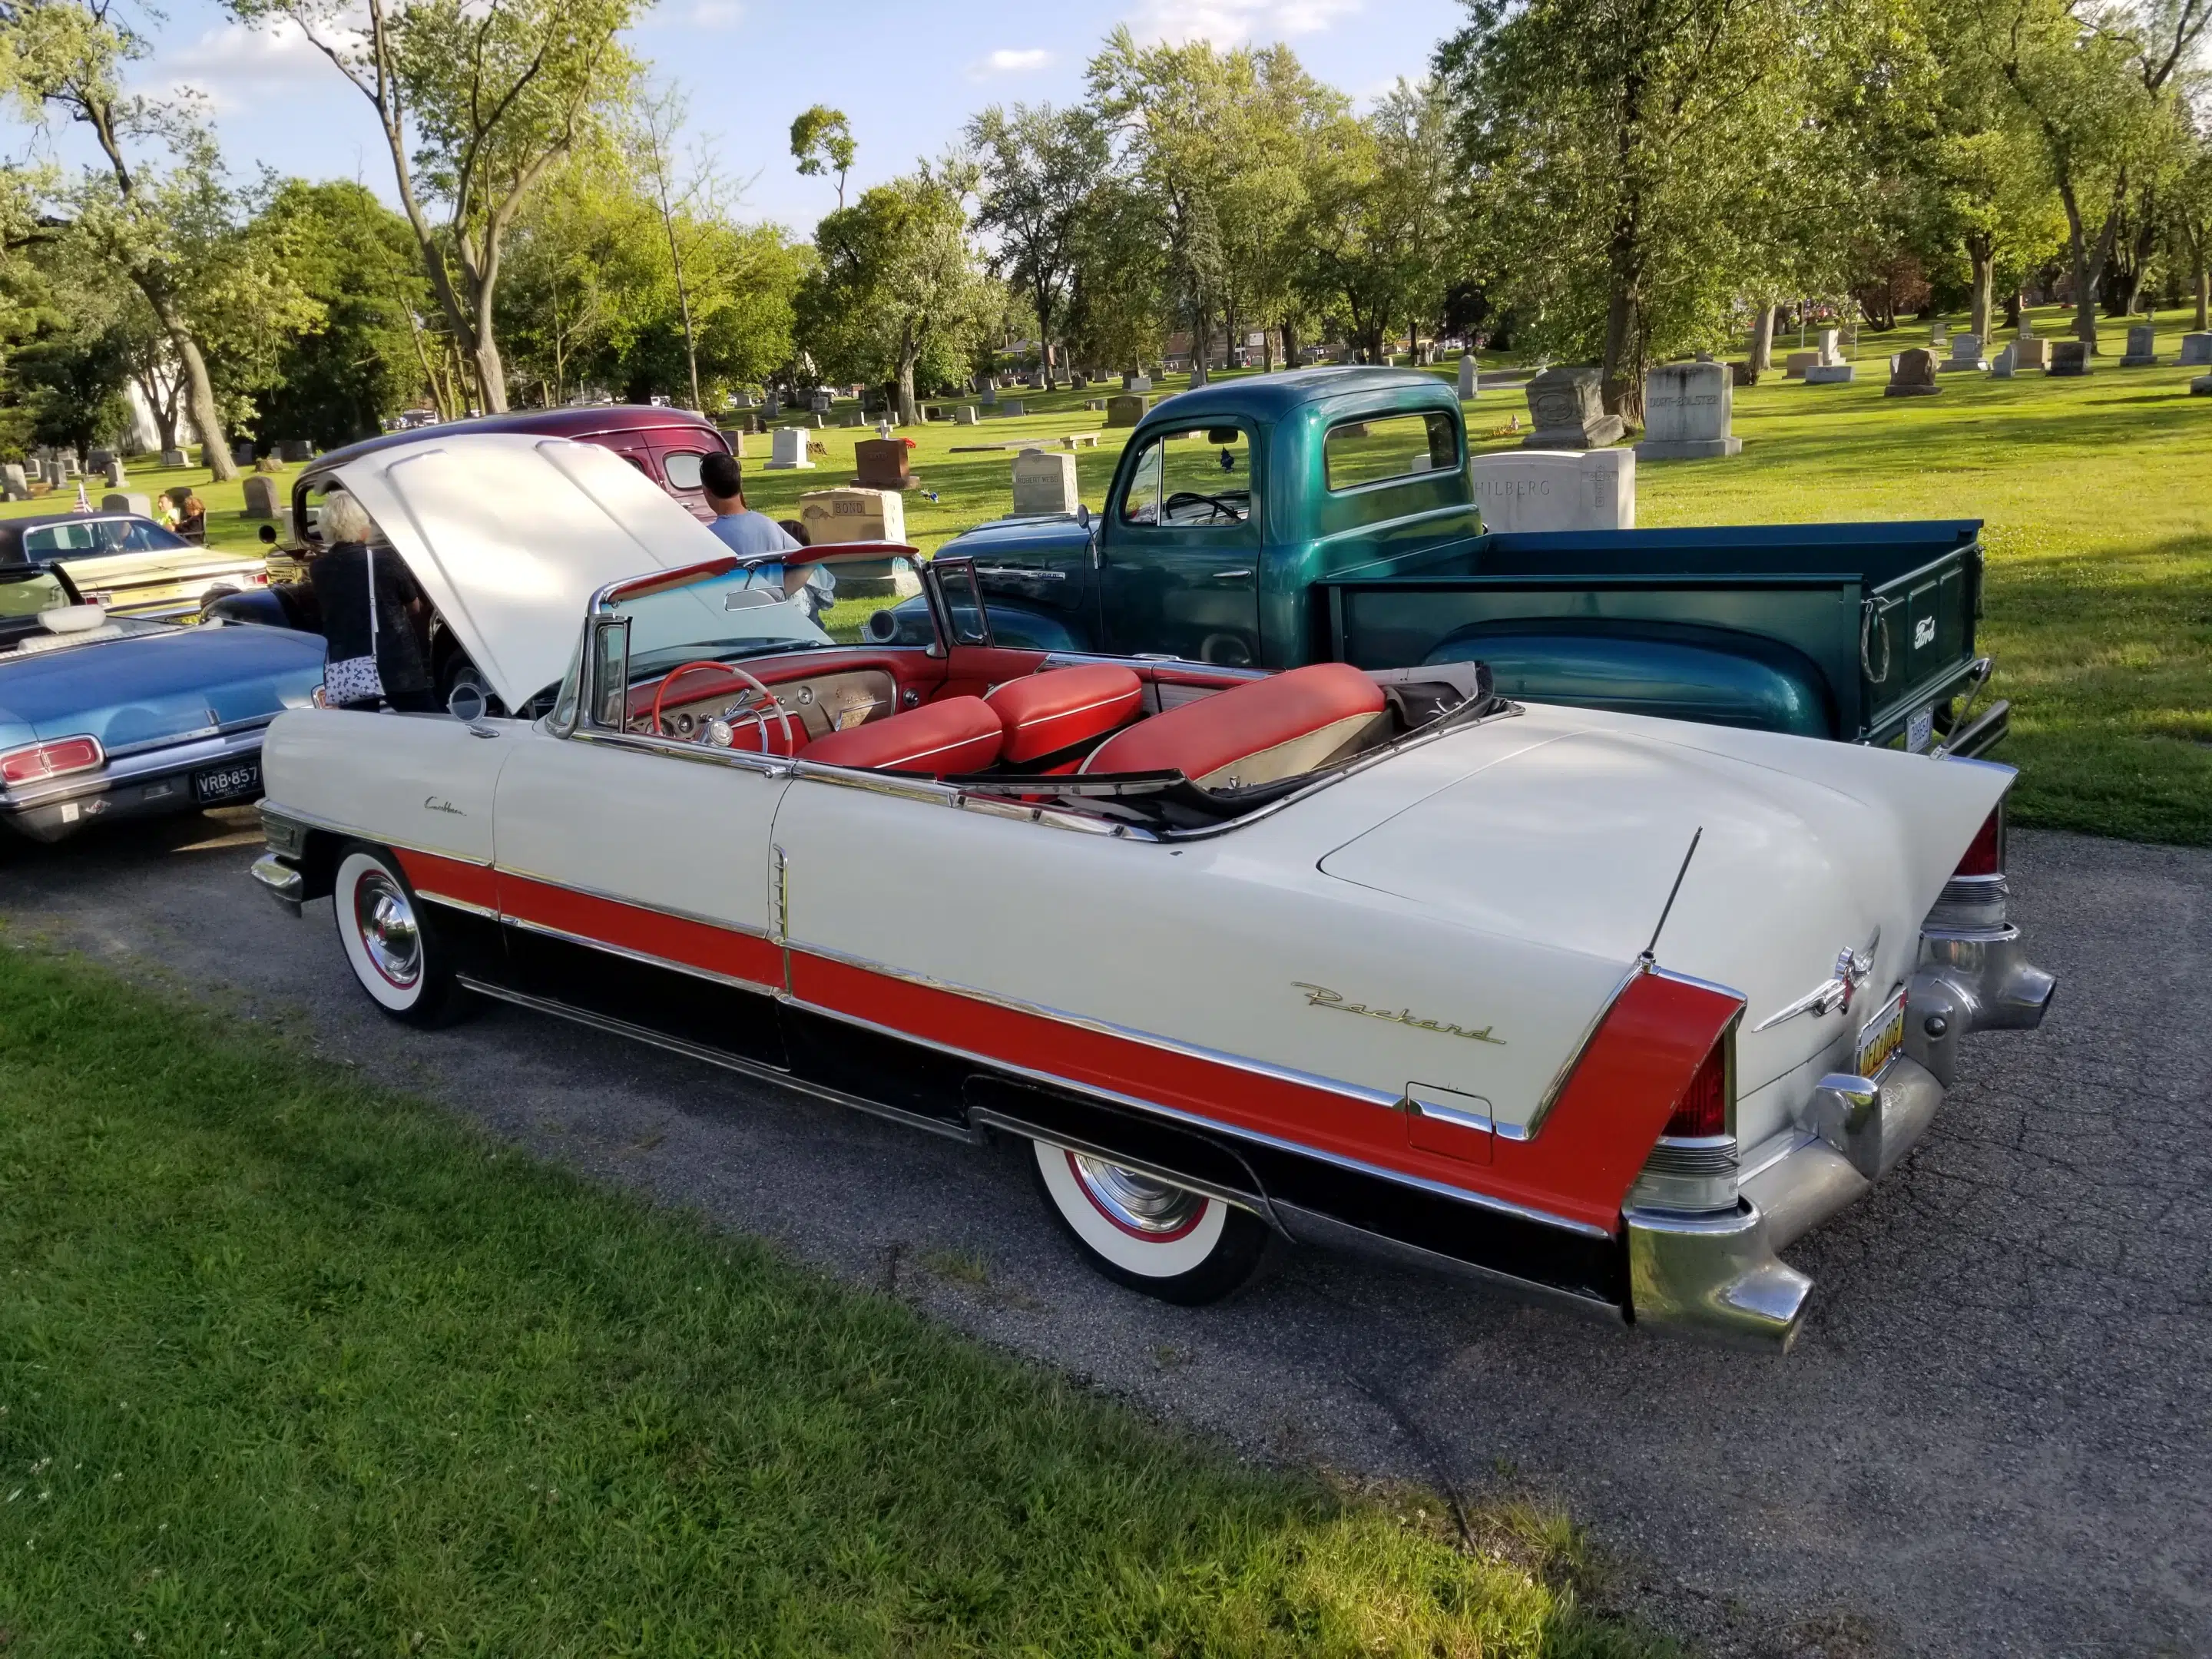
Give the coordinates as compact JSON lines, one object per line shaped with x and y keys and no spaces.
{"x":289,"y":1364}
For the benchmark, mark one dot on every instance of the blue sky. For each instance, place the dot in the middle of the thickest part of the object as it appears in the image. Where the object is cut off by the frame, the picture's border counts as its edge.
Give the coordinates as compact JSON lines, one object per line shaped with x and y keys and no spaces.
{"x":908,"y":74}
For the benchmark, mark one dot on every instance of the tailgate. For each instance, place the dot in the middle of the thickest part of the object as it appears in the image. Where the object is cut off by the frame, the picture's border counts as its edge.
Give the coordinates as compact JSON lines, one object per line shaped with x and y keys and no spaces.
{"x":1916,"y":640}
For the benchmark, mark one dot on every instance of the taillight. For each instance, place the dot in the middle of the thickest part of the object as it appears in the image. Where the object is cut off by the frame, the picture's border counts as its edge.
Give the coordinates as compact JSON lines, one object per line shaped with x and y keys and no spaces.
{"x":1985,"y":854}
{"x":1702,"y":1111}
{"x":51,"y":760}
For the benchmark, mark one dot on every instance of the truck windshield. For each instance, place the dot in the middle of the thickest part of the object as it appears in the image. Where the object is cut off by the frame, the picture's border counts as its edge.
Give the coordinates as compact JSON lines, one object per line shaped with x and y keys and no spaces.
{"x":1196,"y":475}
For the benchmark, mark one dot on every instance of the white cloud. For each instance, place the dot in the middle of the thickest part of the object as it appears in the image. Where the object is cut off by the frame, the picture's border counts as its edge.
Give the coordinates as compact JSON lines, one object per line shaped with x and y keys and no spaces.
{"x":235,"y":67}
{"x":716,"y":13}
{"x":1235,"y":22}
{"x":1009,"y":60}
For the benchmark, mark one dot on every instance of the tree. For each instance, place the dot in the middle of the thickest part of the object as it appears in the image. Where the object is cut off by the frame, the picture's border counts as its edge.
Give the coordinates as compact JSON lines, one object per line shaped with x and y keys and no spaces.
{"x":2098,"y":80}
{"x":478,"y":100}
{"x":2191,"y":207}
{"x":895,"y":294}
{"x":1629,"y":154}
{"x":659,"y":120}
{"x":65,"y":58}
{"x":822,"y":142}
{"x":1038,"y":167}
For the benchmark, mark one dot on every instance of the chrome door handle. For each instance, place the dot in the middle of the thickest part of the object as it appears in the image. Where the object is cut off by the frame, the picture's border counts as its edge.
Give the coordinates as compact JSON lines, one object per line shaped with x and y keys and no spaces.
{"x":1232,"y":575}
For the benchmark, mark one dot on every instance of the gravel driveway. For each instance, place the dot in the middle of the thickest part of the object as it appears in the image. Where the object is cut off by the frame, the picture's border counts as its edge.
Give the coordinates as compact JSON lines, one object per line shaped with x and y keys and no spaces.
{"x":1991,"y":1438}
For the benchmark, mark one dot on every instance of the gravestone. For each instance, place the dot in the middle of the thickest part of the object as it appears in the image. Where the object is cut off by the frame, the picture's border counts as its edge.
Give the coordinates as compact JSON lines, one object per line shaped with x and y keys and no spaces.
{"x":172,"y":458}
{"x":2194,"y":349}
{"x":1795,"y":365}
{"x":1832,"y":374}
{"x":1469,"y":377}
{"x":2031,"y":351}
{"x":965,"y":415}
{"x":881,"y":464}
{"x":852,"y":416}
{"x":18,"y":488}
{"x":741,"y":400}
{"x":294,"y":450}
{"x":241,"y":452}
{"x":790,"y":450}
{"x":1556,"y":489}
{"x":1126,"y":410}
{"x":127,"y":501}
{"x":99,"y":461}
{"x":818,"y":400}
{"x":1197,"y":374}
{"x":116,"y":476}
{"x":1688,"y":410}
{"x":2201,"y":386}
{"x":1742,"y":374}
{"x":261,"y":496}
{"x":1012,"y":406}
{"x":268,"y":463}
{"x":1137,"y":382}
{"x":1044,"y":483}
{"x":835,"y":516}
{"x":1079,"y":381}
{"x":1830,"y":356}
{"x":990,"y":394}
{"x":2068,"y":357}
{"x":2003,"y":365}
{"x":772,"y":406}
{"x":2142,"y":348}
{"x":1567,"y":409}
{"x":1094,"y":404}
{"x":735,"y":437}
{"x":2026,"y":326}
{"x":1912,"y":375}
{"x":814,"y":422}
{"x":1965,"y":354}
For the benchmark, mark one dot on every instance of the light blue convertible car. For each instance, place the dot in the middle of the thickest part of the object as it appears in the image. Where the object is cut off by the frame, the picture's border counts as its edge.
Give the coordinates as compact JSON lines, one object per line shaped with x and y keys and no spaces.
{"x":109,"y":718}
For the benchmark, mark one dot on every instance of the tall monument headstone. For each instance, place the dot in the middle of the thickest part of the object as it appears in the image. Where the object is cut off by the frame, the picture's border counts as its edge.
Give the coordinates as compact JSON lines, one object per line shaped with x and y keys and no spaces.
{"x":1688,"y":414}
{"x":1567,"y":408}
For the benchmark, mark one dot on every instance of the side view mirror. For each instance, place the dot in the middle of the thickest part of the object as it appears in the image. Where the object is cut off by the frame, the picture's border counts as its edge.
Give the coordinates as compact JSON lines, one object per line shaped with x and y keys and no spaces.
{"x":1082,"y":513}
{"x":269,"y":534}
{"x":467,"y":704}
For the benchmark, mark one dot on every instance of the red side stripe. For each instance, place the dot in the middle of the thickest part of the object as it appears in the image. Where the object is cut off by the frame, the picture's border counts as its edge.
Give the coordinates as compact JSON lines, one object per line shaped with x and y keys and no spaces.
{"x":452,"y":878}
{"x":700,"y":944}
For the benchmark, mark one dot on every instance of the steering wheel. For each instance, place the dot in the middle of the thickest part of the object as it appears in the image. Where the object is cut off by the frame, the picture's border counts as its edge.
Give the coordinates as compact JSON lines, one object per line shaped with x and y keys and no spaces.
{"x":1221,"y":509}
{"x":753,"y":708}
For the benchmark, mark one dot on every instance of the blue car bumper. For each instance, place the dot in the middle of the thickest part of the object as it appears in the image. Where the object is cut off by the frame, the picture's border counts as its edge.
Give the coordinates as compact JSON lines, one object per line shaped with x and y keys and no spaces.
{"x":212,"y":770}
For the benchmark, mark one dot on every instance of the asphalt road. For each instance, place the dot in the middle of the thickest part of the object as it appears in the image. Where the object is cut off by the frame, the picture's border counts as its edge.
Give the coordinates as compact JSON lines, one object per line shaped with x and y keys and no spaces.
{"x":1995,"y":1436}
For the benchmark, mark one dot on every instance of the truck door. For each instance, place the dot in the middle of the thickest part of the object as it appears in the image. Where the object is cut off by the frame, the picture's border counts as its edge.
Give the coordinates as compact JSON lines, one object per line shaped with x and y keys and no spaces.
{"x":1179,"y":558}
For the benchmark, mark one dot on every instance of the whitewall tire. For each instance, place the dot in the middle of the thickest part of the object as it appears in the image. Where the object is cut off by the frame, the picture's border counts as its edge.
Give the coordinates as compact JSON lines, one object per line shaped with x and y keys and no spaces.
{"x":1164,"y":1240}
{"x":393,"y":948}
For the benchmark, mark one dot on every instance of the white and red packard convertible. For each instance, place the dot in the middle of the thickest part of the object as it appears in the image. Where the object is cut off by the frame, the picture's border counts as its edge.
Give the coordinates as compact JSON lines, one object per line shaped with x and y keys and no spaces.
{"x":1609,"y":1009}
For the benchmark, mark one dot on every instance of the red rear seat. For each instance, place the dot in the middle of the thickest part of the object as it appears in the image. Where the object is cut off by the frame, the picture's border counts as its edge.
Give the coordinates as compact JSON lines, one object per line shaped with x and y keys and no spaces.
{"x":943,"y":738}
{"x":1046,"y":713}
{"x":1256,"y":732}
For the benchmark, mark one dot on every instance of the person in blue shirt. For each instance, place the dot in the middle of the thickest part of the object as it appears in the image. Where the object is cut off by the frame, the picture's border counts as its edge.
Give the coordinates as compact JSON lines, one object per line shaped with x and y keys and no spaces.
{"x":749,"y":534}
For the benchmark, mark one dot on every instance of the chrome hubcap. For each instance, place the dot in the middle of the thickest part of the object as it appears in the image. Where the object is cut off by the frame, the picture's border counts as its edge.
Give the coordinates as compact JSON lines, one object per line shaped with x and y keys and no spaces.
{"x":386,"y":924}
{"x":1137,"y":1202}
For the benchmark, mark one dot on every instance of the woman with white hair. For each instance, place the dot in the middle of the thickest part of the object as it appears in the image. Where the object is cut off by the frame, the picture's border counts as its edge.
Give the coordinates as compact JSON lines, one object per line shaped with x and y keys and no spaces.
{"x":371,"y":608}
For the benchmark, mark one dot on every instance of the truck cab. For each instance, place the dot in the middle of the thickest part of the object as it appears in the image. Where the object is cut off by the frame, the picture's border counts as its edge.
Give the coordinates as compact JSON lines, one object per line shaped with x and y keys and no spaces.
{"x":1330,"y":514}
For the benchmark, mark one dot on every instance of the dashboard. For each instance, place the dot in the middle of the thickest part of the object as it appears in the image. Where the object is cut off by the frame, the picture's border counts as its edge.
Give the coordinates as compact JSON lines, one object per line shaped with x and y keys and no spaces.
{"x":821,"y":704}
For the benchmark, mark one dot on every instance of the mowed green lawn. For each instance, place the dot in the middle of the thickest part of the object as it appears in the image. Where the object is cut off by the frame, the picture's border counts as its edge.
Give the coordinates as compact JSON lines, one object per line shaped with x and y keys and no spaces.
{"x":2096,"y":493}
{"x":291,"y":1366}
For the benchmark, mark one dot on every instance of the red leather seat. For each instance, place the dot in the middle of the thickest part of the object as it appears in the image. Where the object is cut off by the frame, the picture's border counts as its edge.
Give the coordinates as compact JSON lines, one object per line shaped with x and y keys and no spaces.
{"x":943,"y":738}
{"x":1046,"y":713}
{"x":1256,"y":732}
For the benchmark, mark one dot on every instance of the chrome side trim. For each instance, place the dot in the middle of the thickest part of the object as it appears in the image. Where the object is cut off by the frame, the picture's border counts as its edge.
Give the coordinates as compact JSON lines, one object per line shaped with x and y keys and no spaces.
{"x":313,"y":821}
{"x":1326,"y":1232}
{"x":1366,"y":1097}
{"x":728,"y":1062}
{"x":1480,"y":1200}
{"x":758,"y":986}
{"x":452,"y":903}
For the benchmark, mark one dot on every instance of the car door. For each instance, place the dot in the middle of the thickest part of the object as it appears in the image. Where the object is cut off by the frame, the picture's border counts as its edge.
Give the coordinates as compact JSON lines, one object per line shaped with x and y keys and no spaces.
{"x":634,"y":875}
{"x":1179,"y":561}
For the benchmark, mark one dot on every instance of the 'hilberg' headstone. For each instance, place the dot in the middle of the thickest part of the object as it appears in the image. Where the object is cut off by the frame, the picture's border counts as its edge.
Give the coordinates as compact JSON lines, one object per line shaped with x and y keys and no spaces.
{"x":790,"y":452}
{"x":1688,"y":410}
{"x":2194,"y":349}
{"x":1556,"y":489}
{"x":2142,"y":348}
{"x":1469,"y":378}
{"x":1044,"y":482}
{"x":2069,"y":357}
{"x":1912,"y":375}
{"x":1568,"y":411}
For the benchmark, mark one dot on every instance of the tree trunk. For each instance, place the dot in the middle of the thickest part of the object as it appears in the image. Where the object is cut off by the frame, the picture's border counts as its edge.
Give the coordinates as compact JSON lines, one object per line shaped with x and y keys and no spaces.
{"x":2086,"y":270}
{"x":164,"y":408}
{"x":1200,"y":343}
{"x":199,"y":391}
{"x":2203,"y":295}
{"x":909,"y":413}
{"x":1762,"y":341}
{"x":1290,"y":343}
{"x":2012,"y":310}
{"x":1983,"y":259}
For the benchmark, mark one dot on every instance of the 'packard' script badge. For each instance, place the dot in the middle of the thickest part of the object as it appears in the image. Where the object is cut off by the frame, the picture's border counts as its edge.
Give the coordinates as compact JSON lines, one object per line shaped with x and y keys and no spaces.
{"x":1320,"y":996}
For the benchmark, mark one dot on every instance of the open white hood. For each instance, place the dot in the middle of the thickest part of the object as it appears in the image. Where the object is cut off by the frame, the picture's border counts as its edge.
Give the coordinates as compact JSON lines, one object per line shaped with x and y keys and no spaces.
{"x":510,"y":534}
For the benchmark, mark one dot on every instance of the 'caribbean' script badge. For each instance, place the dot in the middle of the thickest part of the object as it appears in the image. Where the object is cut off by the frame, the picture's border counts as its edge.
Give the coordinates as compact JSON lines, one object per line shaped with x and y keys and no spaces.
{"x":1320,"y":996}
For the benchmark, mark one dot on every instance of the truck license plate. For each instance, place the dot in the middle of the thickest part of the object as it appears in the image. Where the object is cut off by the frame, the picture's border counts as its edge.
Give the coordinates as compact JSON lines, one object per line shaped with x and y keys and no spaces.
{"x":1880,"y":1038}
{"x":1918,"y":728}
{"x":225,"y":782}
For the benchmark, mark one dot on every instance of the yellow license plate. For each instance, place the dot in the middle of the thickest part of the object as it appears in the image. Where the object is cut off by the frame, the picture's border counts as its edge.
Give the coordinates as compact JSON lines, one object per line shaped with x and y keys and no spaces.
{"x":1880,"y":1038}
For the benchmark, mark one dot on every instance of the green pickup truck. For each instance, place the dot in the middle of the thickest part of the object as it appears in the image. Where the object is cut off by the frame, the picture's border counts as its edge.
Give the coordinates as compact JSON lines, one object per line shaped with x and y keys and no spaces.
{"x":1329,"y":514}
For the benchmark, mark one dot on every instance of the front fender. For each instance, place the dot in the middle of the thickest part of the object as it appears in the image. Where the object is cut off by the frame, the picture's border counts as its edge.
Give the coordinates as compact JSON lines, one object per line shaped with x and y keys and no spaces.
{"x":1674,"y":672}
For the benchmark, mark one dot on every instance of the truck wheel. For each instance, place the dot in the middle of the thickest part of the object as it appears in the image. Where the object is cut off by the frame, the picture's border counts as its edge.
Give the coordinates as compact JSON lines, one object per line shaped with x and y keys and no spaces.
{"x":392,"y":946}
{"x":1165,"y":1240}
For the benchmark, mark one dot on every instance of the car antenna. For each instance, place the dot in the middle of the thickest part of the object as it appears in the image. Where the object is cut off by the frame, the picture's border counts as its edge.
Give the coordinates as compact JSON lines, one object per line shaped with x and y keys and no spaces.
{"x":1651,"y":950}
